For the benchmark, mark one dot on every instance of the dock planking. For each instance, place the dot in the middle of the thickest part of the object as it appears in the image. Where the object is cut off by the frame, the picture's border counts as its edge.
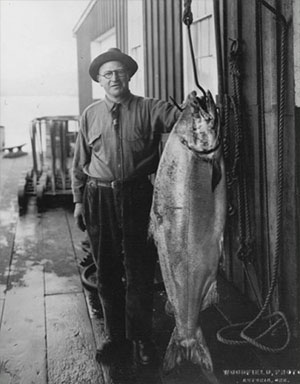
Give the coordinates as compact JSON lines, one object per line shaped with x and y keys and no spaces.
{"x":70,"y":341}
{"x":92,"y":299}
{"x":61,"y":270}
{"x":22,"y":337}
{"x":22,"y":341}
{"x":1,"y":308}
{"x":39,"y":271}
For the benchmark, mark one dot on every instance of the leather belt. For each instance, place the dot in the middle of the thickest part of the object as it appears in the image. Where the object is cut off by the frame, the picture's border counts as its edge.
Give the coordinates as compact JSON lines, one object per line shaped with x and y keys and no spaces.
{"x":117,"y":183}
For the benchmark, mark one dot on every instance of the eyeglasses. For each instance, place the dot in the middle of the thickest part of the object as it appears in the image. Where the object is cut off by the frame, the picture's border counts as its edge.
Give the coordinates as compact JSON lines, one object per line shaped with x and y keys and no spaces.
{"x":118,"y":72}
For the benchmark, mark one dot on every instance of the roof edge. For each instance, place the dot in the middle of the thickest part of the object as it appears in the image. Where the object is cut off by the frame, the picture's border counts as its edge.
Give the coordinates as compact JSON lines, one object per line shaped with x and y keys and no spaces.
{"x":83,"y":16}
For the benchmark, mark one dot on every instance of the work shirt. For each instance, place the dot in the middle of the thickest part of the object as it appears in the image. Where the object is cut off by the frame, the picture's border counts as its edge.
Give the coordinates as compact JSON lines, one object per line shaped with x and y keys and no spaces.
{"x":119,"y":152}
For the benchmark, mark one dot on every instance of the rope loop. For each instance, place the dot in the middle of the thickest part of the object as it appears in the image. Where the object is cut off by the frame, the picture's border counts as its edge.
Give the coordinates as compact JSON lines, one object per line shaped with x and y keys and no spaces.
{"x":240,"y":337}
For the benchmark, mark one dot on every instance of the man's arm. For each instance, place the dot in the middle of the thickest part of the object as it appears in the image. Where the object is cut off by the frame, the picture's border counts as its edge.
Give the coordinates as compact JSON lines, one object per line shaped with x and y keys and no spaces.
{"x":163,"y":116}
{"x":82,"y":156}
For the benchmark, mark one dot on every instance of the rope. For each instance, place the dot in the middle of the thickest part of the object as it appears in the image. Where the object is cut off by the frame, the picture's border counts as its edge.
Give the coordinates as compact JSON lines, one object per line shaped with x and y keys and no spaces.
{"x":237,"y":171}
{"x":281,"y":318}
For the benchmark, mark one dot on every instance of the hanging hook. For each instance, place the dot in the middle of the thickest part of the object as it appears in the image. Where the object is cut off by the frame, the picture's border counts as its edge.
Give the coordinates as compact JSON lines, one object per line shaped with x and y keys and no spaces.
{"x":188,"y":20}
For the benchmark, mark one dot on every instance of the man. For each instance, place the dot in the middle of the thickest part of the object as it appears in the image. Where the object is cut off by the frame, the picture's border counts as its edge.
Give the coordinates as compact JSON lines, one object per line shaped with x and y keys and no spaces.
{"x":116,"y":150}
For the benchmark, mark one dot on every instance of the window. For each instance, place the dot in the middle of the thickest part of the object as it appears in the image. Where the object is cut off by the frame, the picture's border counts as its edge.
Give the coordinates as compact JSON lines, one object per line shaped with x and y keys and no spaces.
{"x":135,"y":44}
{"x":203,"y":37}
{"x":102,"y":44}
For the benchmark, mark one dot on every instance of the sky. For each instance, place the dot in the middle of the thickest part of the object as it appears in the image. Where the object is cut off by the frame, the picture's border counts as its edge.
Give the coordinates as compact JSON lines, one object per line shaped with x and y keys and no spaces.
{"x":38,"y":50}
{"x":38,"y":59}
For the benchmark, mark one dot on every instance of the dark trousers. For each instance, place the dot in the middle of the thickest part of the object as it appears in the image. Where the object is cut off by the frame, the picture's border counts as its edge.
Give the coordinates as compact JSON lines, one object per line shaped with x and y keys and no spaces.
{"x":117,"y":226}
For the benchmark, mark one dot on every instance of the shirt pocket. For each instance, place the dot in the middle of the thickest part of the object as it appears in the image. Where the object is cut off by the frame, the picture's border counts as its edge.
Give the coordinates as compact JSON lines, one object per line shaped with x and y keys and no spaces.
{"x":96,"y":142}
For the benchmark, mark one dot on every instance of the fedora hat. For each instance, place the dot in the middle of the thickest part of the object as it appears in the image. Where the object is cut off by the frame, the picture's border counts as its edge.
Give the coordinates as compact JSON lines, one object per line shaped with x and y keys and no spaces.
{"x":113,"y":54}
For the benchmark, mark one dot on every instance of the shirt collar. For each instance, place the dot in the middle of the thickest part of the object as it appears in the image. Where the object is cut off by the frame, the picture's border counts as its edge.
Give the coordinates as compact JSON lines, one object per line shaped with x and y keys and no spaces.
{"x":125,"y":102}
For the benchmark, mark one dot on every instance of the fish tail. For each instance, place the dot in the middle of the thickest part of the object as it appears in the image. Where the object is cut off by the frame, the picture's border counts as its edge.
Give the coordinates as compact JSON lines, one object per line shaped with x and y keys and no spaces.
{"x":194,"y":350}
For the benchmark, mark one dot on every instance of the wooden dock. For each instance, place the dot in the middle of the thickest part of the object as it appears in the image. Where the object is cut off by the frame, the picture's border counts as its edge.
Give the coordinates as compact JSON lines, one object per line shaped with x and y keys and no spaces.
{"x":50,"y":324}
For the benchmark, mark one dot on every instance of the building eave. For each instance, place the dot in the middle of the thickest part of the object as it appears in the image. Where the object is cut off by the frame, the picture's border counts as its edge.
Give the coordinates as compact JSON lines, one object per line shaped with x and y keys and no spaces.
{"x":83,"y":16}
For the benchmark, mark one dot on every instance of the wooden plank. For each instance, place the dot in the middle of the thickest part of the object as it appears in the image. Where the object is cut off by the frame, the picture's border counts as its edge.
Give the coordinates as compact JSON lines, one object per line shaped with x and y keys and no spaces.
{"x":1,"y":310}
{"x":22,"y":336}
{"x":170,"y":81}
{"x":148,"y":58}
{"x":178,"y":49}
{"x":22,"y":353}
{"x":61,"y":271}
{"x":162,"y":53}
{"x":62,"y":276}
{"x":155,"y":52}
{"x":92,"y":299}
{"x":70,"y":341}
{"x":270,"y":78}
{"x":150,"y":45}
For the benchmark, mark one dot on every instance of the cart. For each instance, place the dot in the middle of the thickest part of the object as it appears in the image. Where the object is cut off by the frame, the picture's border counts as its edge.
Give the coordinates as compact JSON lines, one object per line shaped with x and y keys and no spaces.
{"x":52,"y":141}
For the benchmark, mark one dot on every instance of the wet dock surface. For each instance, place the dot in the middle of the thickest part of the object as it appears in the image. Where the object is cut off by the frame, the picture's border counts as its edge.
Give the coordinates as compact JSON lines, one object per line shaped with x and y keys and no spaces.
{"x":51,"y":324}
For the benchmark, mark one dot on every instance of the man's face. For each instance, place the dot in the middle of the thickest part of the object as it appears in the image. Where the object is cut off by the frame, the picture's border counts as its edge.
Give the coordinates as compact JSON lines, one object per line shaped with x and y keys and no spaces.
{"x":114,"y":78}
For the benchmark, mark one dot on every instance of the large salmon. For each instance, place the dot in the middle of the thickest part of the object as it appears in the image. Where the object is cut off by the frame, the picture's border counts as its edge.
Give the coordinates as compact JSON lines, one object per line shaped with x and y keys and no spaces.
{"x":187,"y":224}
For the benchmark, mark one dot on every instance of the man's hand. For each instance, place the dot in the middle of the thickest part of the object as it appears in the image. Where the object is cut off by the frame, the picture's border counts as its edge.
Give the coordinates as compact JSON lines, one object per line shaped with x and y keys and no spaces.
{"x":78,"y":216}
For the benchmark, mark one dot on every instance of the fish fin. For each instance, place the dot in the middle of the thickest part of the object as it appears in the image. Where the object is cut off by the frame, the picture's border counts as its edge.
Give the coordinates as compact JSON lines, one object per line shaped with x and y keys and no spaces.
{"x":199,"y":353}
{"x":211,"y":297}
{"x":216,"y":174}
{"x":194,"y":350}
{"x":169,"y":309}
{"x":172,"y":356}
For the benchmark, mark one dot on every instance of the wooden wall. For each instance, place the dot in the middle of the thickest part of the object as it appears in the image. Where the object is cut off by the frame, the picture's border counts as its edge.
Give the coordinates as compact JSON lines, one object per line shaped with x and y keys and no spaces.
{"x":258,"y":35}
{"x":163,"y":49}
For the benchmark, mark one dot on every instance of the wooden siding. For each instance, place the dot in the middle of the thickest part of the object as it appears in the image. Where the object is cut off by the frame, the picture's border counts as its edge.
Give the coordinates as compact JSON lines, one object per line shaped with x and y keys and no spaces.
{"x":121,"y":24}
{"x":247,"y":22}
{"x":104,"y":15}
{"x":163,"y":49}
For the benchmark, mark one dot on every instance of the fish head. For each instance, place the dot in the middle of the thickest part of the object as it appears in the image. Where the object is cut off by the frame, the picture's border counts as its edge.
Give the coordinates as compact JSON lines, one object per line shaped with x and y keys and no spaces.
{"x":202,"y":133}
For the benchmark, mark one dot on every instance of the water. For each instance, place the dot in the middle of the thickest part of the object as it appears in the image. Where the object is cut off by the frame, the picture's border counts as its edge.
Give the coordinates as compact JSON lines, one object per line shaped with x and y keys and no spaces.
{"x":16,"y":112}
